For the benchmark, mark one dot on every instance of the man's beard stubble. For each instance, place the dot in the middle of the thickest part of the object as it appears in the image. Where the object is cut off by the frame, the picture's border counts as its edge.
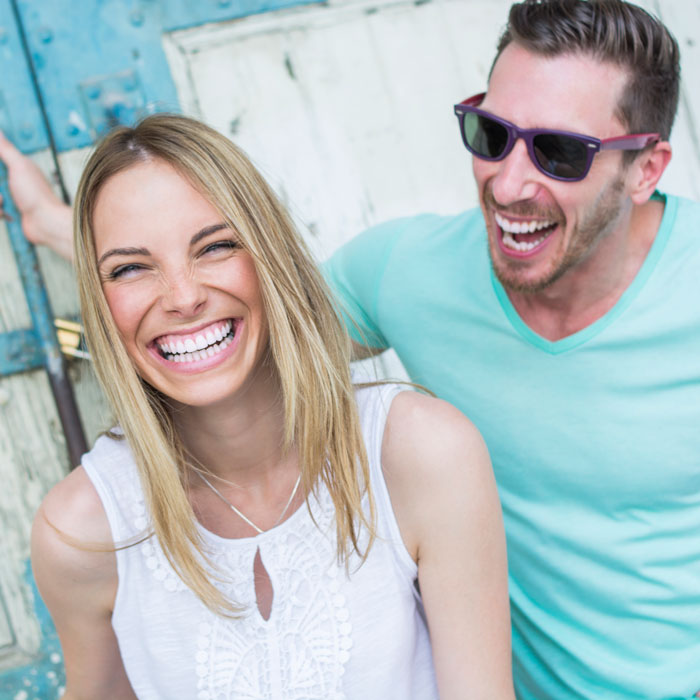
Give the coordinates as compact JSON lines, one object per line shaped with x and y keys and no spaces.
{"x":597,"y":223}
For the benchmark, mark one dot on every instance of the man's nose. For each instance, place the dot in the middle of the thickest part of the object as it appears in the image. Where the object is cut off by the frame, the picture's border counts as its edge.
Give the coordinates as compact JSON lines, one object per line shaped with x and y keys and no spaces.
{"x":517,"y":178}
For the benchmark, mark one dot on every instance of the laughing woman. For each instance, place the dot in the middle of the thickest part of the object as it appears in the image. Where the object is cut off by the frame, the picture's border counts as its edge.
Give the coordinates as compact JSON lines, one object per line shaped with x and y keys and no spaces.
{"x":255,"y":527}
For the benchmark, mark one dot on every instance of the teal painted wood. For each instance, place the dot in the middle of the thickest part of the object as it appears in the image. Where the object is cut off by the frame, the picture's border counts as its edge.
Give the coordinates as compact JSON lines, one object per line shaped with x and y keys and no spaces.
{"x":100,"y":63}
{"x":181,"y":14}
{"x":20,"y":117}
{"x":44,"y":678}
{"x":19,"y":352}
{"x":43,"y":327}
{"x":33,"y":284}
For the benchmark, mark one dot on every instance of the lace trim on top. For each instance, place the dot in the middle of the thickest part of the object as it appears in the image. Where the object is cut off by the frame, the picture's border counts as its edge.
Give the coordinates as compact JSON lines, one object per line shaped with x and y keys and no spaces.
{"x":300,"y":652}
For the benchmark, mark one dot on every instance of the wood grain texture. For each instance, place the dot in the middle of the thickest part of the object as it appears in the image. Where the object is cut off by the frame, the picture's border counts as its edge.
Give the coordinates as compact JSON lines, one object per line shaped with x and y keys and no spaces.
{"x":32,"y":447}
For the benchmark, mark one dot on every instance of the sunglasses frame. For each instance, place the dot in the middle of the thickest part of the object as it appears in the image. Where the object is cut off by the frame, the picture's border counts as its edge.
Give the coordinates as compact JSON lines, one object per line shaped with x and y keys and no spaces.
{"x":628,"y":142}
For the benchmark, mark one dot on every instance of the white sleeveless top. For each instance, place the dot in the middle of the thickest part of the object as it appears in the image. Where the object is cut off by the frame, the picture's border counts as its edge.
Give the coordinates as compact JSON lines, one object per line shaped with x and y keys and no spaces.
{"x":329,"y":636}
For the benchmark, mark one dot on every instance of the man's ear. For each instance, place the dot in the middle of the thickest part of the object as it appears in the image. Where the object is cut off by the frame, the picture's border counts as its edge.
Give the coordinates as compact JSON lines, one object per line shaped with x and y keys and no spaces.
{"x":646,"y":171}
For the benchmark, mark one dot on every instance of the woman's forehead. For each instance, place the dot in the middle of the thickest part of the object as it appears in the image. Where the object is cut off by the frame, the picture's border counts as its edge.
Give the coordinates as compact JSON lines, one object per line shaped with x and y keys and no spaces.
{"x":145,"y":200}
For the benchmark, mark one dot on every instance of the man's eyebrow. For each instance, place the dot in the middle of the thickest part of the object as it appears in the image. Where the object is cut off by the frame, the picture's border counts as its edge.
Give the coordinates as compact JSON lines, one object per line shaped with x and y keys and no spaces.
{"x":207,"y":231}
{"x":122,"y":251}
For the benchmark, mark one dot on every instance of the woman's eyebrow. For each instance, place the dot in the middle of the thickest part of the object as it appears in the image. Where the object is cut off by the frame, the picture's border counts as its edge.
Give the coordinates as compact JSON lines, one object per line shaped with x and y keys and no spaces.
{"x":207,"y":231}
{"x":202,"y":233}
{"x":122,"y":251}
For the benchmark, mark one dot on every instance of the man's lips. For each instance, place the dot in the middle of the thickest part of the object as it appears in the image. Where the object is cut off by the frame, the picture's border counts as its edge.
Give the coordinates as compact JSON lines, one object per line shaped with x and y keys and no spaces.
{"x":523,"y":237}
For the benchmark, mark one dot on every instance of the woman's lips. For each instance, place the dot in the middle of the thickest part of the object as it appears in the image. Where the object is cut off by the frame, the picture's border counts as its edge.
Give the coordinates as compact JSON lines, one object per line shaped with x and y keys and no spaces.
{"x":182,"y":352}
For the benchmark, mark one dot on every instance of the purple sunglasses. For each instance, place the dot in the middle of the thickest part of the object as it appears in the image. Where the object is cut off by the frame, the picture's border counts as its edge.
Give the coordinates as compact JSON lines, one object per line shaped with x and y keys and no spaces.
{"x":562,"y":155}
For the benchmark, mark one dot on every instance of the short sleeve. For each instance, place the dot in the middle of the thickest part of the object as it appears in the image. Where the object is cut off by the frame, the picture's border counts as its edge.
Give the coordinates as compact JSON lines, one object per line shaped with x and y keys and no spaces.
{"x":354,"y":273}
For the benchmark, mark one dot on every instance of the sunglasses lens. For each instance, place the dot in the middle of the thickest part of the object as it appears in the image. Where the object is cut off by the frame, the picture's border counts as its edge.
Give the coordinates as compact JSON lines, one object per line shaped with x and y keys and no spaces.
{"x":563,"y":156}
{"x":485,"y":137}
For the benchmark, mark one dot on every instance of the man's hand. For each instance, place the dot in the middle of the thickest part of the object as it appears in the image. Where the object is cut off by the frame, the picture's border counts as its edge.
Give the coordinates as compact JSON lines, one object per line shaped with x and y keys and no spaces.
{"x":45,"y":219}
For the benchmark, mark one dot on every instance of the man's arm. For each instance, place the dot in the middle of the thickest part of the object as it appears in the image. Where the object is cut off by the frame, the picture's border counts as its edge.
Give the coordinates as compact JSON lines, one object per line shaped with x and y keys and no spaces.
{"x":45,"y":219}
{"x":354,"y":273}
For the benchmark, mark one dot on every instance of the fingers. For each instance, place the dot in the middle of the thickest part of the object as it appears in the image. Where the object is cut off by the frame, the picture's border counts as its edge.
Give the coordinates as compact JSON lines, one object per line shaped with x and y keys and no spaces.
{"x":8,"y":151}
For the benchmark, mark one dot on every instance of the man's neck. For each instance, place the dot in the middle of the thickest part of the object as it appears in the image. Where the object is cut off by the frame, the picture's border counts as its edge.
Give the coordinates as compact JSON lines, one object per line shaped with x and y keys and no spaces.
{"x":588,"y":291}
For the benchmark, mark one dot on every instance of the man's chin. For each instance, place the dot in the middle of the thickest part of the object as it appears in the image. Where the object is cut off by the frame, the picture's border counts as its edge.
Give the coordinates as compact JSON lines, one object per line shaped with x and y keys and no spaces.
{"x":521,"y":280}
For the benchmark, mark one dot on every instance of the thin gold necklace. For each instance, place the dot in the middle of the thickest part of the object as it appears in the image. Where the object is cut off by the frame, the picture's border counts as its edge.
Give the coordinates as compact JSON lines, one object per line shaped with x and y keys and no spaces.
{"x":243,"y":517}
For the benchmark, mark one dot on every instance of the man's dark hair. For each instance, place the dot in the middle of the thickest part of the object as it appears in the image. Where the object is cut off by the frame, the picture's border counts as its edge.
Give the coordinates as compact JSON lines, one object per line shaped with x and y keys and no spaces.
{"x":611,"y":31}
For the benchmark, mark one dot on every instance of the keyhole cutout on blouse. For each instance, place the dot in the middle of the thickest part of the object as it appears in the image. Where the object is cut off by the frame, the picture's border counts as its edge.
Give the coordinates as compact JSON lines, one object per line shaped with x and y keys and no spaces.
{"x":263,"y":587}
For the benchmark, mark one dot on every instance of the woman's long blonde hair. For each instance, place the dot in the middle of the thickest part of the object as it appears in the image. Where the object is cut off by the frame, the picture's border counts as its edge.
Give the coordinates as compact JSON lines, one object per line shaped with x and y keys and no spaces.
{"x":308,"y":345}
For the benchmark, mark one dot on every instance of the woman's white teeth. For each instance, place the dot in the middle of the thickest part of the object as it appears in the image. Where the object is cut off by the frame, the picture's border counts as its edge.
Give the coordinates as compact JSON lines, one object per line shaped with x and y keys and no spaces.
{"x":202,"y":354}
{"x":206,"y":344}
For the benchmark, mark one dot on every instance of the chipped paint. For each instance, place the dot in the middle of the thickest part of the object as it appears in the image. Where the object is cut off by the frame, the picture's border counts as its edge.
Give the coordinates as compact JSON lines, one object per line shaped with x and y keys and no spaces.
{"x":44,"y":677}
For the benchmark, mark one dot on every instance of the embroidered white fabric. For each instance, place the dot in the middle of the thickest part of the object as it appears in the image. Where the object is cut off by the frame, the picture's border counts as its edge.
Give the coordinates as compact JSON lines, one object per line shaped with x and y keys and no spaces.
{"x":329,"y":636}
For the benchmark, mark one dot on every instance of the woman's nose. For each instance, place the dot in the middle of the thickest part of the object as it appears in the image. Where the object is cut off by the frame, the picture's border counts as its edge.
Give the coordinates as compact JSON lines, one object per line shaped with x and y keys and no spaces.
{"x":184,"y":294}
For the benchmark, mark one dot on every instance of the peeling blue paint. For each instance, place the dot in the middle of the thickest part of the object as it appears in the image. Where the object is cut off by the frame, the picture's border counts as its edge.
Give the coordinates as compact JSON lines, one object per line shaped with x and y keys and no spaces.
{"x":182,"y":14}
{"x":81,"y":51}
{"x":44,"y":678}
{"x":20,"y":352}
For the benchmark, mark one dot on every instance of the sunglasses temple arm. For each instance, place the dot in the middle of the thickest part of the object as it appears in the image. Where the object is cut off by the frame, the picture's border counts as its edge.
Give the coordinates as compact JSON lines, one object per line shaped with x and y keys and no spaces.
{"x":631,"y":142}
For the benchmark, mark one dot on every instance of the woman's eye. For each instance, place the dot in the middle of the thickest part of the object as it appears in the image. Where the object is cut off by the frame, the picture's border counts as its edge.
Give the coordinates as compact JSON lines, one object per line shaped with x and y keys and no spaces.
{"x":219,"y":246}
{"x":124,"y":271}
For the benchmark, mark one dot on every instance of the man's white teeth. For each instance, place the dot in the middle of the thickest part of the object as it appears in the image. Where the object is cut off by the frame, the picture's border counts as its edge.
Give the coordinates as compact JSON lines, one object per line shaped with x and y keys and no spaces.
{"x":522,"y":246}
{"x":511,"y":229}
{"x":521,"y":226}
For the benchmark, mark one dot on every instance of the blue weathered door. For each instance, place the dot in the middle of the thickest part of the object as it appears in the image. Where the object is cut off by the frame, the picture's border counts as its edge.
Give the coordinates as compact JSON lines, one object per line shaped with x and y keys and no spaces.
{"x":68,"y":72}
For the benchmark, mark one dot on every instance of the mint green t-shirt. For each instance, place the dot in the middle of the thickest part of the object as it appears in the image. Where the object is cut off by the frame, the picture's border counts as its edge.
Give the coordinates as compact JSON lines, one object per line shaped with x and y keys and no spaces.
{"x":595,"y":442}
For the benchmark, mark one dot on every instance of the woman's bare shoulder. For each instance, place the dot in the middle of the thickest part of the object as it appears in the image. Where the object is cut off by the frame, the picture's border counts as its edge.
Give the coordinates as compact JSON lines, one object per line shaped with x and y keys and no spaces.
{"x":75,"y":568}
{"x":429,"y":437}
{"x":71,"y":535}
{"x":433,"y":460}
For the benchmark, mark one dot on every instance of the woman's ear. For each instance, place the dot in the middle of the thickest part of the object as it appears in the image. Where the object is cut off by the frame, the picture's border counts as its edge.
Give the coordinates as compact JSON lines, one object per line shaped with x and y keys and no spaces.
{"x":647,"y":169}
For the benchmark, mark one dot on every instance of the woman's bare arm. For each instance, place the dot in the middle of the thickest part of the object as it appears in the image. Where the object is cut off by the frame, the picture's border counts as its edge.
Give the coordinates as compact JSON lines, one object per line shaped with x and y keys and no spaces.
{"x":45,"y":219}
{"x":444,"y":496}
{"x":77,"y":577}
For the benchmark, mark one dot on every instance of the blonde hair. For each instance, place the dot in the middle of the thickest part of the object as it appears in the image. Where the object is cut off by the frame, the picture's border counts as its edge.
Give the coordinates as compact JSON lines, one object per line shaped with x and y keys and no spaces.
{"x":308,"y":344}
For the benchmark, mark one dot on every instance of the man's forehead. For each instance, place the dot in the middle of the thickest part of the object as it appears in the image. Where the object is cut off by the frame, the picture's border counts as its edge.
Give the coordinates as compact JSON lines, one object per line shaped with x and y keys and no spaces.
{"x":572,"y":85}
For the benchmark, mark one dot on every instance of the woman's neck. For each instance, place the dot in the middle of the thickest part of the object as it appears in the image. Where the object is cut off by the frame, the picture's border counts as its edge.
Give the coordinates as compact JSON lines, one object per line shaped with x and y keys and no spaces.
{"x":239,"y":440}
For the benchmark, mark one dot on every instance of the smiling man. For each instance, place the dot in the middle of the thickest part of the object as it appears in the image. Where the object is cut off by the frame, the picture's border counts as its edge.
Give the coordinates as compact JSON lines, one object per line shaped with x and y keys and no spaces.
{"x":562,"y":317}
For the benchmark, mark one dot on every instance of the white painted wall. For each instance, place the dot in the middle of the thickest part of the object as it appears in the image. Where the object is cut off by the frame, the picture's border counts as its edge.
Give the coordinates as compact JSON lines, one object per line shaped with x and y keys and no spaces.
{"x":347,"y":108}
